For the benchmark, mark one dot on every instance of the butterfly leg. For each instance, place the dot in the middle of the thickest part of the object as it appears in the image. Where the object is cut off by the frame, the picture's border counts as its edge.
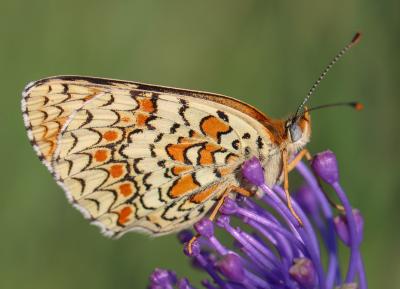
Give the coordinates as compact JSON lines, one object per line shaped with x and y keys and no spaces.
{"x":211,"y":217}
{"x":215,"y":211}
{"x":303,"y":153}
{"x":286,"y":186}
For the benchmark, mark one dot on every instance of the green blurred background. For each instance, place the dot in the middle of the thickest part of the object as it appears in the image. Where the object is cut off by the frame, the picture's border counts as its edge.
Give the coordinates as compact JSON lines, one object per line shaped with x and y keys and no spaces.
{"x":266,"y":53}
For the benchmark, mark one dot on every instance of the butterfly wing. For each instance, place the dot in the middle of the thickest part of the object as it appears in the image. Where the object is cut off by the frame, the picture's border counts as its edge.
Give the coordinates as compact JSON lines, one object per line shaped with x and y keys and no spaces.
{"x":132,"y":156}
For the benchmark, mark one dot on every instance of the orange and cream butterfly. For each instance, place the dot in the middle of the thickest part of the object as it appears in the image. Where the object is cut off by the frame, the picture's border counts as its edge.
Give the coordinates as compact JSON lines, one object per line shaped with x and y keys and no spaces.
{"x":139,"y":157}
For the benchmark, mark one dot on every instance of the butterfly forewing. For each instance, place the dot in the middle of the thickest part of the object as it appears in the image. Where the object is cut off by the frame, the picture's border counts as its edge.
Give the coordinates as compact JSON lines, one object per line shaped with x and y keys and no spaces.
{"x":139,"y":157}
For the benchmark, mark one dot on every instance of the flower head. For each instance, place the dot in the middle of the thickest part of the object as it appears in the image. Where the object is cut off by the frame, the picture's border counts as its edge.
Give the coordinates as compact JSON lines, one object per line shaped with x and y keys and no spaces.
{"x":269,"y":249}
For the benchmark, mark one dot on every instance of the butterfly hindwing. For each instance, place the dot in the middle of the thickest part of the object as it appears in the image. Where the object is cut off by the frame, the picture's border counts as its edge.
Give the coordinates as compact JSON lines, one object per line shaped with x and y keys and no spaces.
{"x":137,"y":157}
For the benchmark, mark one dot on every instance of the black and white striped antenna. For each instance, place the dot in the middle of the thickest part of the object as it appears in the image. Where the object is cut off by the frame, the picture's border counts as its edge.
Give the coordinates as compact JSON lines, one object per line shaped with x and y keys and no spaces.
{"x":354,"y":41}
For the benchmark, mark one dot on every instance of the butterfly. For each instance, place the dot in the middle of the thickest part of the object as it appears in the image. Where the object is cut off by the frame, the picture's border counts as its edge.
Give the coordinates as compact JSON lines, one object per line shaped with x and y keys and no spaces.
{"x":148,"y":158}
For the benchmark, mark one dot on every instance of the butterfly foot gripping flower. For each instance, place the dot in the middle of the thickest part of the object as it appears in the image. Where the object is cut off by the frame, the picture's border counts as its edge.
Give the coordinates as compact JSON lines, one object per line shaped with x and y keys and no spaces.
{"x":269,"y":248}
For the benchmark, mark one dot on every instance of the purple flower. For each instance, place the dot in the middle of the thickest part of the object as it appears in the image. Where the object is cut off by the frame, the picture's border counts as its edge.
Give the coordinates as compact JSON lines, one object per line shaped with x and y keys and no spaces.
{"x":269,"y":249}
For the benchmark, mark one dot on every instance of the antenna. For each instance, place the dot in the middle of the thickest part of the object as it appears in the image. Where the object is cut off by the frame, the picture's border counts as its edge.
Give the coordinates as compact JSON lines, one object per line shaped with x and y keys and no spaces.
{"x":355,"y":40}
{"x":353,"y":104}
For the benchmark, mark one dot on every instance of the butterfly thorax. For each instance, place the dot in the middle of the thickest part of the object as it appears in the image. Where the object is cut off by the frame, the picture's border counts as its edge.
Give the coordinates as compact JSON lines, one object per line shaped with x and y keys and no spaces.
{"x":283,"y":138}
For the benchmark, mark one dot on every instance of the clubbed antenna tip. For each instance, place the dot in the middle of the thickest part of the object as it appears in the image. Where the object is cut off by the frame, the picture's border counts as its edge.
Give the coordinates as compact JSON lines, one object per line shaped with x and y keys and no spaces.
{"x":358,"y":106}
{"x":356,"y":38}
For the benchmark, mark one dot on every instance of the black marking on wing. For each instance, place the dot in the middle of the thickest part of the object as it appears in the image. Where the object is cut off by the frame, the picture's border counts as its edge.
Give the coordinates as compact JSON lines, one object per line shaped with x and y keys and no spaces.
{"x":99,"y":135}
{"x":174,"y":127}
{"x":161,"y":163}
{"x":81,"y":182}
{"x":89,"y":118}
{"x":118,"y":117}
{"x":159,"y":137}
{"x":110,"y":101}
{"x":217,"y":173}
{"x":145,"y":177}
{"x":97,"y":203}
{"x":260,"y":143}
{"x":135,"y":93}
{"x":144,"y":205}
{"x":45,"y":114}
{"x":195,"y":180}
{"x":235,"y":144}
{"x":148,"y":125}
{"x":153,"y":222}
{"x":222,"y":115}
{"x":88,"y":163}
{"x":163,"y":215}
{"x":228,"y":156}
{"x":154,"y":99}
{"x":135,"y":131}
{"x":183,"y":108}
{"x":246,"y":135}
{"x":65,"y":88}
{"x":191,"y":133}
{"x":135,"y":163}
{"x":46,"y":99}
{"x":167,"y":175}
{"x":75,"y":141}
{"x":152,"y":148}
{"x":220,"y":134}
{"x":121,"y":149}
{"x":70,"y":164}
{"x":185,"y":157}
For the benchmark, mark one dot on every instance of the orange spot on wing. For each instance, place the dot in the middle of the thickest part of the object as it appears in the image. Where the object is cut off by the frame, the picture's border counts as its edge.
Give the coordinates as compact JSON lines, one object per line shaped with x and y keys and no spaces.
{"x":116,"y":171}
{"x":203,"y":195}
{"x":146,"y":104}
{"x":206,"y":157}
{"x":212,"y":126}
{"x":180,"y":169}
{"x":100,"y":155}
{"x":187,"y":140}
{"x":125,"y":119}
{"x":51,"y":150}
{"x":125,"y":189}
{"x":141,"y":119}
{"x":124,"y":215}
{"x":182,"y":186}
{"x":110,"y":135}
{"x":90,"y":96}
{"x":177,"y":151}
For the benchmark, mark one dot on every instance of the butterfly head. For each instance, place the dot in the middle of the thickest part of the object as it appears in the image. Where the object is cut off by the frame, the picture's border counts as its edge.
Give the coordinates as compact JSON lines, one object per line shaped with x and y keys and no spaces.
{"x":297,"y":131}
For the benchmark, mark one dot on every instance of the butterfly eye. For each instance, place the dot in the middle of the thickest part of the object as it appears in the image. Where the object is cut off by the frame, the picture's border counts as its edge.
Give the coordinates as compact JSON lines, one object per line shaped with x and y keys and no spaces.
{"x":295,"y":132}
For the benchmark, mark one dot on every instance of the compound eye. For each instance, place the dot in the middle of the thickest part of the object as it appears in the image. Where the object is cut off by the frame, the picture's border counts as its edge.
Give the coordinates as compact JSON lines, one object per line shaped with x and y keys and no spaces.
{"x":295,"y":132}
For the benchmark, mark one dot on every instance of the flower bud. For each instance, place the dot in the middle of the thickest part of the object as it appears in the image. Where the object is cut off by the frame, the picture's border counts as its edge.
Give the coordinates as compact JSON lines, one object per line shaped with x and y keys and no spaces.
{"x":342,"y":226}
{"x":194,"y":249}
{"x":161,"y":278}
{"x":184,"y":284}
{"x":231,"y":267}
{"x":205,"y":227}
{"x":229,"y":207}
{"x":185,"y":236}
{"x":223,"y":221}
{"x":325,"y":166}
{"x":303,"y":272}
{"x":253,"y":171}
